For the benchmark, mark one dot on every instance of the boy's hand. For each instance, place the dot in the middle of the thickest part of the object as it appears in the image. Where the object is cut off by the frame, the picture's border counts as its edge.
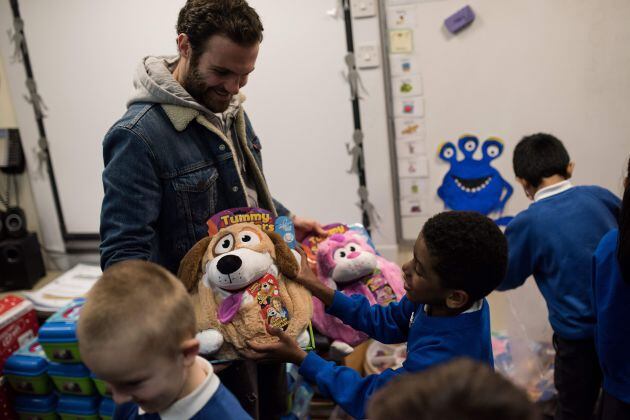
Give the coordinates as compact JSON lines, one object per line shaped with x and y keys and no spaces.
{"x":305,"y":277}
{"x":285,"y":350}
{"x":308,"y":279}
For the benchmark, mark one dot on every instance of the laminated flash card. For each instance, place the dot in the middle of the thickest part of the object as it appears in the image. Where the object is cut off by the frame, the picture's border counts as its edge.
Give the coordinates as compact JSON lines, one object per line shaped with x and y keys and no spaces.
{"x":413,"y":167}
{"x":401,"y":17}
{"x":406,"y":86}
{"x":401,"y":41}
{"x":409,"y":106}
{"x":411,"y":148}
{"x":403,"y":65}
{"x":409,"y":128}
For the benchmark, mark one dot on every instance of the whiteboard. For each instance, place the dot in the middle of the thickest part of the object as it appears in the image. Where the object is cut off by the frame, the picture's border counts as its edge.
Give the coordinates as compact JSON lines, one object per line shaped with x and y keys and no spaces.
{"x":526,"y":66}
{"x":84,"y":53}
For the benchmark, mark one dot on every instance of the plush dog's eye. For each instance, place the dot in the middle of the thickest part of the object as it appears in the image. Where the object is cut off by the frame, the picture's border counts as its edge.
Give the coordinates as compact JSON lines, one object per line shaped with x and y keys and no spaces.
{"x":225,"y":244}
{"x":249,"y":238}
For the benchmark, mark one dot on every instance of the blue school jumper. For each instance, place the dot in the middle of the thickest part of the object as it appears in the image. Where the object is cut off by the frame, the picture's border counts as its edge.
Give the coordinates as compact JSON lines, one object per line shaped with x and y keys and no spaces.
{"x":612,"y":310}
{"x":430,"y":340}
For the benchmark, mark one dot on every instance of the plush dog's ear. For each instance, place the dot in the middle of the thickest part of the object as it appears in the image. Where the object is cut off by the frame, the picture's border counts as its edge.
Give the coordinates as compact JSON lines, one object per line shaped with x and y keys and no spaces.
{"x":285,"y":260}
{"x":190,"y":266}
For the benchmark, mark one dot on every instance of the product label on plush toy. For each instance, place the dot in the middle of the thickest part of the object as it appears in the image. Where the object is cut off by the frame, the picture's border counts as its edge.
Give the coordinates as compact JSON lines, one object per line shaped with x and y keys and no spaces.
{"x":382,"y":292}
{"x":311,"y":242}
{"x":263,"y":218}
{"x":267,"y":294}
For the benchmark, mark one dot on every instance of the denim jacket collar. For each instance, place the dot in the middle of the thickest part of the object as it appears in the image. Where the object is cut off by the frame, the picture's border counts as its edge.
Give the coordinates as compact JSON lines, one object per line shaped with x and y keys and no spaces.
{"x":181,"y":116}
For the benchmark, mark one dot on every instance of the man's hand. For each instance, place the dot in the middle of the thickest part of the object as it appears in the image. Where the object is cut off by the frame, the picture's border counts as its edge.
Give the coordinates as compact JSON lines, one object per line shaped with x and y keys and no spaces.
{"x":305,"y":227}
{"x":285,"y":350}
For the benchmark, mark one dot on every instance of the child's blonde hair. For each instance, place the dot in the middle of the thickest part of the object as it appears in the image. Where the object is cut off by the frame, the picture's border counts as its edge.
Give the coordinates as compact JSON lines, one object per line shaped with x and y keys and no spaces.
{"x":140,"y":304}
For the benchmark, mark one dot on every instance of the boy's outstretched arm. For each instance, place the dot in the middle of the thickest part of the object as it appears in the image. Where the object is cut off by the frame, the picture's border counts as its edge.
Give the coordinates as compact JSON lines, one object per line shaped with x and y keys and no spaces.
{"x":521,"y":259}
{"x":387,"y":324}
{"x":344,"y":385}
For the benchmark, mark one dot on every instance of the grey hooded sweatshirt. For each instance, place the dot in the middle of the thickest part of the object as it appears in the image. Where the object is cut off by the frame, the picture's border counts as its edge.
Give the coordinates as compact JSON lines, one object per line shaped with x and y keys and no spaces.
{"x":153,"y":82}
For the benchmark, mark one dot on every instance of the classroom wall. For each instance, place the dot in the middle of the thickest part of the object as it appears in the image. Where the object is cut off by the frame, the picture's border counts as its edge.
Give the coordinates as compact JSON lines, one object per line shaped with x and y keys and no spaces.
{"x":522,"y":67}
{"x":7,"y":120}
{"x":297,"y":98}
{"x":525,"y":66}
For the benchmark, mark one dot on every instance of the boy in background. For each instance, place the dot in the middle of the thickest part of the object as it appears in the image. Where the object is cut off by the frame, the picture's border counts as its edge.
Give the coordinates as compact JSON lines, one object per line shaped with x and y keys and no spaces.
{"x":554,"y":240}
{"x":611,"y":290}
{"x":137,"y":333}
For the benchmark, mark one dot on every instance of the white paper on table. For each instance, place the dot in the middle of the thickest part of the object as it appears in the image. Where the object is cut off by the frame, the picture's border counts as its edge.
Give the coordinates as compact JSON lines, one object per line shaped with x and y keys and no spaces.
{"x":72,"y":284}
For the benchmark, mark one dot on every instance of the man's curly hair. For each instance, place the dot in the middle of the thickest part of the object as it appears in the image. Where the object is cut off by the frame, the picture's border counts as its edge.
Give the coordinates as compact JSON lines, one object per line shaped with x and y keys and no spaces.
{"x":468,"y":251}
{"x":235,"y":19}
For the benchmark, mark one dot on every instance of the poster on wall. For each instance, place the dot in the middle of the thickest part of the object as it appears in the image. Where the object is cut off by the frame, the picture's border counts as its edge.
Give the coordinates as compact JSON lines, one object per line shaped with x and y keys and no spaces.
{"x":473,"y":183}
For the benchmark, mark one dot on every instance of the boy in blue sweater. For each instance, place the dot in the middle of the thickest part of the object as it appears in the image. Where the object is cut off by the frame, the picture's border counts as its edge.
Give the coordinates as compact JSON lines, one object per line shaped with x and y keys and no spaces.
{"x":458,"y":259}
{"x":554,"y":240}
{"x":611,"y":286}
{"x":137,"y":333}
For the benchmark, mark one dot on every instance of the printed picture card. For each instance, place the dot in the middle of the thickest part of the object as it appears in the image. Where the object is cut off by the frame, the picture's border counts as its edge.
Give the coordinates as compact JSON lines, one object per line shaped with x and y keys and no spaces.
{"x":407,"y":86}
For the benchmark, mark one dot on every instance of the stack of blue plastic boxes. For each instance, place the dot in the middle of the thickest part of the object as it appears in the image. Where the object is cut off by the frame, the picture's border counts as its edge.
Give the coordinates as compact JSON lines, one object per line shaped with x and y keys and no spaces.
{"x":55,"y":360}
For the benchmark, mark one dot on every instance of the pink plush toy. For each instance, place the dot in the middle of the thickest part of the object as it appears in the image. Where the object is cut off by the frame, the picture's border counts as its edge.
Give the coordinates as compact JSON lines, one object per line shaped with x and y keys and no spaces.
{"x":346,"y":262}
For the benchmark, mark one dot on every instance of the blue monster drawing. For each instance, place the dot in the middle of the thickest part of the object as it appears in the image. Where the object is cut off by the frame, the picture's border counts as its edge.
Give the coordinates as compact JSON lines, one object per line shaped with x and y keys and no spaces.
{"x":473,"y":184}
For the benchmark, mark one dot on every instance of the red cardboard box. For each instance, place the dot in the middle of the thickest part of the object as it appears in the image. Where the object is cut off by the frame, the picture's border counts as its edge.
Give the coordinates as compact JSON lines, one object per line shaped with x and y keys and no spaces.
{"x":6,"y":408}
{"x":18,"y":324}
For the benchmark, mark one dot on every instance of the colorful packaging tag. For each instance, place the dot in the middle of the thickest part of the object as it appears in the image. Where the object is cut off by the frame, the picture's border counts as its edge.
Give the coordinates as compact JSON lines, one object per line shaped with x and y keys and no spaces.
{"x":284,"y":227}
{"x":263,"y":218}
{"x":311,"y":242}
{"x":267,"y":294}
{"x":382,"y":292}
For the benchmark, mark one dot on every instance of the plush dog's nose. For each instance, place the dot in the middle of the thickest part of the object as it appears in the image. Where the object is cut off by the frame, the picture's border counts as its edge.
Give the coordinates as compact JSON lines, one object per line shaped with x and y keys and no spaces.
{"x":229,"y":264}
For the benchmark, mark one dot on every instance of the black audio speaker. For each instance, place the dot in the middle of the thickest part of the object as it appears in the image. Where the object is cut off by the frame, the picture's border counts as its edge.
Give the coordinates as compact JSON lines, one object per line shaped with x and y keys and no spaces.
{"x":21,"y":263}
{"x":3,"y":215}
{"x":15,"y":223}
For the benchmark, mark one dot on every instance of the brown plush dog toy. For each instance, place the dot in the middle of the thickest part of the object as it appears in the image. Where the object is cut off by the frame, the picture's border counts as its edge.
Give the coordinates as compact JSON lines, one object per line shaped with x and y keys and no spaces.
{"x":240,"y":283}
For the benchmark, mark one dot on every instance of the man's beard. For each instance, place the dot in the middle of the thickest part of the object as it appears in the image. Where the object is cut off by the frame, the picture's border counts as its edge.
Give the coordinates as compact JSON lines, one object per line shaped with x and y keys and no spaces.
{"x":201,"y":92}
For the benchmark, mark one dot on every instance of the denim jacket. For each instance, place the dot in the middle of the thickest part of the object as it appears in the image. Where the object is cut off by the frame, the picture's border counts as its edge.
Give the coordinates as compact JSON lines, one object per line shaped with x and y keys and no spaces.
{"x":167,"y":170}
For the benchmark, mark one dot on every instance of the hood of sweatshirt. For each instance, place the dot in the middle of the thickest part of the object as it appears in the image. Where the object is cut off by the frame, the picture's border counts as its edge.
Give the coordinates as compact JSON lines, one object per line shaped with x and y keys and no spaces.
{"x":153,"y":82}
